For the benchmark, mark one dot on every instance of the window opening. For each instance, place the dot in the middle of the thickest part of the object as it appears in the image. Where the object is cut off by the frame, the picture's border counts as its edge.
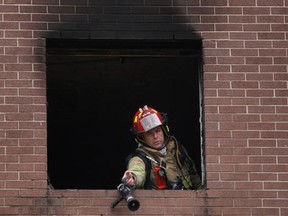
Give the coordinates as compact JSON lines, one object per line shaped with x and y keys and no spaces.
{"x":94,"y":87}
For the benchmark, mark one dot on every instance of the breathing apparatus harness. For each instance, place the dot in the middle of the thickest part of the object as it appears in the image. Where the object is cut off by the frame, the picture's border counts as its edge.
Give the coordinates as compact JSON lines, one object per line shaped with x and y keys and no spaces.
{"x":160,"y":174}
{"x":182,"y":159}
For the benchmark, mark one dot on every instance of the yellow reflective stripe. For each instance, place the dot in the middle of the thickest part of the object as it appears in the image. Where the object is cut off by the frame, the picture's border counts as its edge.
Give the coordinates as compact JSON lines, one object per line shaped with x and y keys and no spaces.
{"x":140,"y":114}
{"x":139,"y":169}
{"x":154,"y":110}
{"x":187,"y":182}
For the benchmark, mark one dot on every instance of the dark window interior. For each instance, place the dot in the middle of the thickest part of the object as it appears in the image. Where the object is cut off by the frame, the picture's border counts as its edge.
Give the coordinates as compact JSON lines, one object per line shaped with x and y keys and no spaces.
{"x":94,"y":88}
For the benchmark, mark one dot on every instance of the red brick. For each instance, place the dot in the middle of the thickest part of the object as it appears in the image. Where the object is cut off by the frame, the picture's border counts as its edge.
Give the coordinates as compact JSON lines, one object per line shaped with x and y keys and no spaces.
{"x":248,"y":168}
{"x":273,"y":203}
{"x":33,"y":176}
{"x":19,"y":185}
{"x":19,"y":133}
{"x":242,"y":3}
{"x":273,"y":101}
{"x":270,"y":3}
{"x":248,"y":203}
{"x":266,"y":211}
{"x":18,"y":33}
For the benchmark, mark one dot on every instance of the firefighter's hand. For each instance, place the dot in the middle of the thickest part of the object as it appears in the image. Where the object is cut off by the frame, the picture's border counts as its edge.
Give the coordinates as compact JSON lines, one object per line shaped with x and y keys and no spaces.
{"x":128,"y":179}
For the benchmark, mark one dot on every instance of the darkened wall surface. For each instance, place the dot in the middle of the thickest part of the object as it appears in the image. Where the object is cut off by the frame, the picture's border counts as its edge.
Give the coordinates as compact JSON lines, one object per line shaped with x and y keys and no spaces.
{"x":245,"y":102}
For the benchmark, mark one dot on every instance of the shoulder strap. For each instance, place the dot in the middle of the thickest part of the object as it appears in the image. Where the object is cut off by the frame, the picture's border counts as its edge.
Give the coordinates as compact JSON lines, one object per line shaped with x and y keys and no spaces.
{"x":186,"y":160}
{"x":148,"y":166}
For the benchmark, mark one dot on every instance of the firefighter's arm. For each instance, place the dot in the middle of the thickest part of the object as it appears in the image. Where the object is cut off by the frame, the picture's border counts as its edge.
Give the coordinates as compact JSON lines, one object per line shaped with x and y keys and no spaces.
{"x":135,"y":173}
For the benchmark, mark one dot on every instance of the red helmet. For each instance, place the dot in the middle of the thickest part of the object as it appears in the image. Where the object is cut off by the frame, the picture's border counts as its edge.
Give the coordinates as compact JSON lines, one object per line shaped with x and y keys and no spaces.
{"x":146,"y":119}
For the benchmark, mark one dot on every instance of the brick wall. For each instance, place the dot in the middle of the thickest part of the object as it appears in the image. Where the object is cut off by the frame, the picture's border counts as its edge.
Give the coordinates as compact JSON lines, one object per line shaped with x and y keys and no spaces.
{"x":245,"y":95}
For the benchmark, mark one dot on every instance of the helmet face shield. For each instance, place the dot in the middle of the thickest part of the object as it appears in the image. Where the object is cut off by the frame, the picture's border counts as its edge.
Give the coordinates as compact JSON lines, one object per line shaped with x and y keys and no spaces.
{"x":146,"y":119}
{"x":149,"y":122}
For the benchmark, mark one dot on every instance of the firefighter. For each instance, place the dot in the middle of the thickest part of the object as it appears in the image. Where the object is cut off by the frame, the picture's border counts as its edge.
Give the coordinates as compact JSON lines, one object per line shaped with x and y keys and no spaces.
{"x":159,"y":162}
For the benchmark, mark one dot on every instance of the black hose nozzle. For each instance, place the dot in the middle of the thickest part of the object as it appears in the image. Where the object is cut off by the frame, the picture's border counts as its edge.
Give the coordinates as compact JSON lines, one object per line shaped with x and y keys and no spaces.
{"x":125,"y":192}
{"x":133,"y":204}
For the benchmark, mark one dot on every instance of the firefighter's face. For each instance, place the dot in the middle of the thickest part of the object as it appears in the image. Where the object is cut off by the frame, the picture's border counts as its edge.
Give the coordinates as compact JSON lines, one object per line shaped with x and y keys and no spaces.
{"x":154,"y":138}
